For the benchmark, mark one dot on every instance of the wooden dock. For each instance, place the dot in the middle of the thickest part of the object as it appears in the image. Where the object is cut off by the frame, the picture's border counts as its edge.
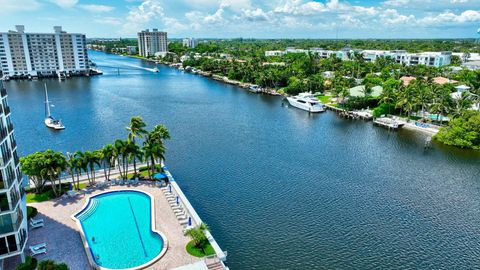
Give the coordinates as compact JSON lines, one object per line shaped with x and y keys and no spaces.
{"x":388,"y":123}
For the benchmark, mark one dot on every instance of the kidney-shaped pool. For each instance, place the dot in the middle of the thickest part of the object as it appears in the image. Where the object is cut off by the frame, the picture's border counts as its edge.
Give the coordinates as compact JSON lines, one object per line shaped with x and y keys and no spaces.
{"x":119,"y":230}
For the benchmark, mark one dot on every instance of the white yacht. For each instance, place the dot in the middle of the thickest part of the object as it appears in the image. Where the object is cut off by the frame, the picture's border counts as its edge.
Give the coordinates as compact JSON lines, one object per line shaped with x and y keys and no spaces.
{"x":50,"y":121}
{"x":255,"y":89}
{"x":307,"y":102}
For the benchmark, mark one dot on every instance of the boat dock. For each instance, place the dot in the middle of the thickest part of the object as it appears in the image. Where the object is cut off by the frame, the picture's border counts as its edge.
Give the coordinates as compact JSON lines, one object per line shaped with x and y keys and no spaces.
{"x":389,"y":123}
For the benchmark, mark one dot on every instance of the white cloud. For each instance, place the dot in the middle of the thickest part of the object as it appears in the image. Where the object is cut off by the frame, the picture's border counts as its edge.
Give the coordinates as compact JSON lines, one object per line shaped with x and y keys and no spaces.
{"x":451,"y":18}
{"x":97,"y":8}
{"x":7,"y":6}
{"x":392,"y":17}
{"x":396,"y":3}
{"x":65,"y":3}
{"x":138,"y":16}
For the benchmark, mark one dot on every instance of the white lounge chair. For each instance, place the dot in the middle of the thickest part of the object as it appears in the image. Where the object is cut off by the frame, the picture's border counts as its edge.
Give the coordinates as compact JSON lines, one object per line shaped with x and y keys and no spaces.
{"x":36,"y":223}
{"x":71,"y":193}
{"x":38,"y":249}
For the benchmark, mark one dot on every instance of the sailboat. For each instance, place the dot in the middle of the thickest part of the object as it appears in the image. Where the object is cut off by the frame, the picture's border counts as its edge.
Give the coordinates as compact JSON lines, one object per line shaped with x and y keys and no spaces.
{"x":50,"y":121}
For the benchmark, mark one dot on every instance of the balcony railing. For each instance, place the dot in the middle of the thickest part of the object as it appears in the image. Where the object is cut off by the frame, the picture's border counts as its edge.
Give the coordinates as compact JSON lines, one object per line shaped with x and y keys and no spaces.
{"x":3,"y":92}
{"x":10,"y":127}
{"x":7,"y":110}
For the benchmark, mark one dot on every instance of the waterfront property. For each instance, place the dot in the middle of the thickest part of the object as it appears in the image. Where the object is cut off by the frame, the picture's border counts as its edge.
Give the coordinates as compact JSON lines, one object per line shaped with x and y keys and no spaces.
{"x":13,"y":212}
{"x":118,"y":230}
{"x":42,"y":54}
{"x":152,"y":43}
{"x":111,"y":237}
{"x":333,"y":179}
{"x":436,"y":59}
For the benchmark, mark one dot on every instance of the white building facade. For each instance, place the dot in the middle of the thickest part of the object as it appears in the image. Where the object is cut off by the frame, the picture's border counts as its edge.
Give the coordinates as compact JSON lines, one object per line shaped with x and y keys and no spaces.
{"x":13,"y":209}
{"x":42,"y":54}
{"x":436,"y":59}
{"x":190,"y":43}
{"x":152,"y":43}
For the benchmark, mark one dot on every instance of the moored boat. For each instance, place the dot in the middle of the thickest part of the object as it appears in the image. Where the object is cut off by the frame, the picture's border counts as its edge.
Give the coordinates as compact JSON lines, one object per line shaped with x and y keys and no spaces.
{"x":307,"y":102}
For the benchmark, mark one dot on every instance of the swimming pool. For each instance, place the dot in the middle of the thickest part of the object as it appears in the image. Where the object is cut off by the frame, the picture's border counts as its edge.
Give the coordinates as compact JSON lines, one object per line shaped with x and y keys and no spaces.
{"x":118,"y":230}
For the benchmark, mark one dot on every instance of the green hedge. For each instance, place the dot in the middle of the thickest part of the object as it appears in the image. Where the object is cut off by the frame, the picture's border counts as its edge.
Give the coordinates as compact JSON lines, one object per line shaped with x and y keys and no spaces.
{"x":31,"y":212}
{"x":29,"y":264}
{"x":51,"y":265}
{"x":144,"y":168}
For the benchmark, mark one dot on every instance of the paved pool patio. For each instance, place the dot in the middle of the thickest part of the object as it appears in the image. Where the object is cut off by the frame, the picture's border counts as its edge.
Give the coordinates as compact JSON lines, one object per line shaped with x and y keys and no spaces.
{"x":64,"y":243}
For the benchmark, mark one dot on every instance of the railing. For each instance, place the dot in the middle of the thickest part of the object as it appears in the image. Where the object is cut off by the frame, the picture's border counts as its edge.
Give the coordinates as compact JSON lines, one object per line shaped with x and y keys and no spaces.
{"x":7,"y":110}
{"x":3,"y":91}
{"x":14,"y":144}
{"x":10,"y":127}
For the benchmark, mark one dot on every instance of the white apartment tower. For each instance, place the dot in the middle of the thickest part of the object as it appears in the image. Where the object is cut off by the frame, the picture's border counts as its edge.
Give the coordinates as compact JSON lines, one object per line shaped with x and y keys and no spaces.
{"x":189,"y":43}
{"x":152,"y":43}
{"x":13,"y":209}
{"x":42,"y":54}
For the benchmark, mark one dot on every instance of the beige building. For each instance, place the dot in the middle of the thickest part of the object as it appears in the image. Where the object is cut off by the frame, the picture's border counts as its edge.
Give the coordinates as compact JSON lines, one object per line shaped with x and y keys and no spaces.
{"x":152,"y":43}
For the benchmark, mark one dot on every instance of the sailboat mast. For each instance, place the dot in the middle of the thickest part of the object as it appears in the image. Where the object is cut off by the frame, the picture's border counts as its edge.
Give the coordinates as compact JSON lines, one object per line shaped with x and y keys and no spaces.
{"x":47,"y":103}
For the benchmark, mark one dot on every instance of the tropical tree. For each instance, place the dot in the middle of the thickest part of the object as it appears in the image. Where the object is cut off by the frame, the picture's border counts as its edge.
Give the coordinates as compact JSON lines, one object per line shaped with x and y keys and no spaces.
{"x":135,"y":129}
{"x":107,"y":158}
{"x":74,"y":165}
{"x":134,"y":153}
{"x":152,"y":152}
{"x":54,"y":163}
{"x":121,"y":152}
{"x":32,"y":165}
{"x":198,"y":236}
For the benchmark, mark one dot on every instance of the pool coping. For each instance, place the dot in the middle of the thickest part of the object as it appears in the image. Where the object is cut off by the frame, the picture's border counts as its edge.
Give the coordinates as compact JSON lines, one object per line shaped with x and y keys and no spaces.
{"x":88,"y":251}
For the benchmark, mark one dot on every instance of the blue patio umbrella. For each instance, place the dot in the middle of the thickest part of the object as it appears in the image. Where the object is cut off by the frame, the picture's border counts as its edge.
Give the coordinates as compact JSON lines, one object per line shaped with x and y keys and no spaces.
{"x":159,"y":176}
{"x":189,"y":221}
{"x":170,"y":188}
{"x":178,"y":201}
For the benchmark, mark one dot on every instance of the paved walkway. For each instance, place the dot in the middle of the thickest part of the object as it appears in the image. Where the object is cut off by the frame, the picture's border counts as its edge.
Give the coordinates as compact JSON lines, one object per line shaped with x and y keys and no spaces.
{"x":65,"y":245}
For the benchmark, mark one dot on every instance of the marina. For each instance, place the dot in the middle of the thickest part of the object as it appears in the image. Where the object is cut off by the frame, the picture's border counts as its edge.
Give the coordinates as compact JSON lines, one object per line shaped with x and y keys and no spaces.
{"x":357,"y":195}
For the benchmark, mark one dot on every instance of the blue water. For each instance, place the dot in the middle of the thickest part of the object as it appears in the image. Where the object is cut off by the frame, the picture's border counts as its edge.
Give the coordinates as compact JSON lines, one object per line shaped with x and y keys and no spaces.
{"x":117,"y":226}
{"x":279,"y":188}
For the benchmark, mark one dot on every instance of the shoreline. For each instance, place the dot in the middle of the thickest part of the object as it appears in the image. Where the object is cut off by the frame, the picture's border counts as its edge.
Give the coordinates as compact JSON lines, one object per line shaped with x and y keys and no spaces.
{"x":226,"y":80}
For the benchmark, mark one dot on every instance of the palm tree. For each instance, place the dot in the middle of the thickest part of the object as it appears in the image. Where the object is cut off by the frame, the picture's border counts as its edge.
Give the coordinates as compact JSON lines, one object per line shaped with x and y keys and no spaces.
{"x":75,"y":168}
{"x":108,"y":159}
{"x":54,"y":164}
{"x":121,"y":154}
{"x":136,"y":129}
{"x":198,"y":236}
{"x":152,"y":152}
{"x":82,"y":163}
{"x":134,"y":153}
{"x":92,"y":159}
{"x":406,"y":99}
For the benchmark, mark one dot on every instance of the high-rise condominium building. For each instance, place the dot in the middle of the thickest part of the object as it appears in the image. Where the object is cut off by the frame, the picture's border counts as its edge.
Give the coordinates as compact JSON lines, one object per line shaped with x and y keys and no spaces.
{"x":42,"y":54}
{"x":152,"y":43}
{"x":13,"y":211}
{"x":189,"y":43}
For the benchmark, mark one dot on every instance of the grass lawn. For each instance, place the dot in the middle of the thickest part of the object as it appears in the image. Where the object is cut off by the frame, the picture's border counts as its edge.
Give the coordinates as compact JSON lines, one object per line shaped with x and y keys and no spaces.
{"x":192,"y":250}
{"x":47,"y":194}
{"x":324,"y":99}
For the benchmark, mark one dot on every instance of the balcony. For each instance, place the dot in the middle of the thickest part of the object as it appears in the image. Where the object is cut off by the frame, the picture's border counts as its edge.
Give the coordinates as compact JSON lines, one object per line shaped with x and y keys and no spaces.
{"x":7,"y":110}
{"x":3,"y":92}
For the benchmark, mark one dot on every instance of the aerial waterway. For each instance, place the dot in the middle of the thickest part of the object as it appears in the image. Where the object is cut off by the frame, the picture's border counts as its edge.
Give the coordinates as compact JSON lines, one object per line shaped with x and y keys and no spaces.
{"x":280,"y":188}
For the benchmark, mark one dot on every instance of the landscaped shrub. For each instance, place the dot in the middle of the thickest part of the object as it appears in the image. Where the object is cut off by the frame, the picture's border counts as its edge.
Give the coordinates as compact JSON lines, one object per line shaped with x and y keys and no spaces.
{"x":144,"y":168}
{"x":31,"y":212}
{"x":51,"y":265}
{"x":384,"y":109}
{"x":29,"y":264}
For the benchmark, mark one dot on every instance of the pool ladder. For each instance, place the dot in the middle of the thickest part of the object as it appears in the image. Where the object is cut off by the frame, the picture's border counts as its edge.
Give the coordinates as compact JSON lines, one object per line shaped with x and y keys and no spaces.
{"x":93,"y":206}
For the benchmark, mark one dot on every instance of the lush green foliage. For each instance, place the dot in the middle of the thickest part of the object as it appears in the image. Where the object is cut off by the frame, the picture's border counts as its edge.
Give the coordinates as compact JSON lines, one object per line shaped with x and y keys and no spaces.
{"x":29,"y":264}
{"x":200,"y":252}
{"x":51,"y":265}
{"x":463,"y":131}
{"x":31,"y":212}
{"x":199,"y":239}
{"x":384,"y":109}
{"x":46,"y":167}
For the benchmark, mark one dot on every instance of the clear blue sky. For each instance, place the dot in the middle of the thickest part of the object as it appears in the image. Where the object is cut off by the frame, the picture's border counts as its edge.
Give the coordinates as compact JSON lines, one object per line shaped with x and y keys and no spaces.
{"x":249,"y":18}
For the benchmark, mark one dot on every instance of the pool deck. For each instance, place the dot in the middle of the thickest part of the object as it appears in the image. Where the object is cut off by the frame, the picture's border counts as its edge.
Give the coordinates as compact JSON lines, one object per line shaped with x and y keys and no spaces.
{"x":64,"y":243}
